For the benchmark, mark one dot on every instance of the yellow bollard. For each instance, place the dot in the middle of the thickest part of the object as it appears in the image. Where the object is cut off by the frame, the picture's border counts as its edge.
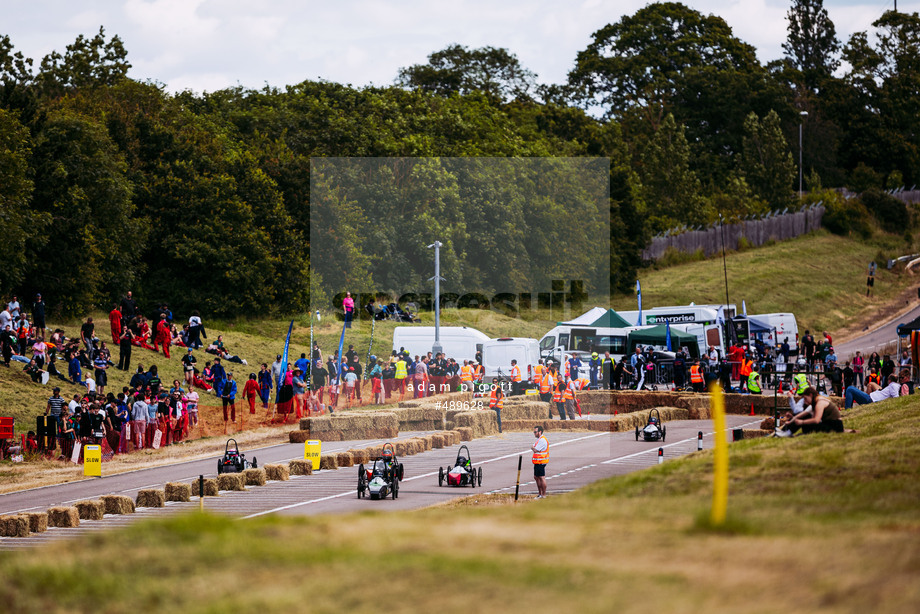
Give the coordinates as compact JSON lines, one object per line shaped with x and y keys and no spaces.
{"x":720,"y":460}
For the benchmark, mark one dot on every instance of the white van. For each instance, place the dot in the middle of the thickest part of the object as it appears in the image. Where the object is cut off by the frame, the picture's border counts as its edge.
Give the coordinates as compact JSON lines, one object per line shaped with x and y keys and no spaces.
{"x":564,"y":341}
{"x":497,"y":355}
{"x":458,"y":342}
{"x":783,"y":323}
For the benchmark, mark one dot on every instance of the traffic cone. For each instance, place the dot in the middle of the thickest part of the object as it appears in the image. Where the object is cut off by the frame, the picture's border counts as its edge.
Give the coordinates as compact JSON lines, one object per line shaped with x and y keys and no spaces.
{"x":752,"y":408}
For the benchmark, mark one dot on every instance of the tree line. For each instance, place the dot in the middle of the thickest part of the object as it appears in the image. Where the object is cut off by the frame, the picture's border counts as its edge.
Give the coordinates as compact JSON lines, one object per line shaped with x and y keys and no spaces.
{"x":204,"y":200}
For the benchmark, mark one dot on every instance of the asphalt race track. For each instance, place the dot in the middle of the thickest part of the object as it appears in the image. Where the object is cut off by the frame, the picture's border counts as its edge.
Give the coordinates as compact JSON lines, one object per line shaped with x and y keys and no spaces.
{"x":576,"y":459}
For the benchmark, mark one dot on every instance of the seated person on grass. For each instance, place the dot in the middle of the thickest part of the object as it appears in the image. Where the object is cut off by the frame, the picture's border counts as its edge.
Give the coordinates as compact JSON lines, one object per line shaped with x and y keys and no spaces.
{"x":875,"y":394}
{"x":218,"y":348}
{"x":820,"y":416}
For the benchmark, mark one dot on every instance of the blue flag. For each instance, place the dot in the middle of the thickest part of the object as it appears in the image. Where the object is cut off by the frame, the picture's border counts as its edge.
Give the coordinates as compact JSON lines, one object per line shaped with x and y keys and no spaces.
{"x":341,"y":345}
{"x":284,"y":362}
{"x":639,"y":295}
{"x":667,"y":335}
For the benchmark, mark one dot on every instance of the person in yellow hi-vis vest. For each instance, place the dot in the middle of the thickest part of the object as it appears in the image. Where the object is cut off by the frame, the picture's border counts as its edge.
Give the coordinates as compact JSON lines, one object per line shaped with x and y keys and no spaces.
{"x":540,"y":460}
{"x":402,"y":372}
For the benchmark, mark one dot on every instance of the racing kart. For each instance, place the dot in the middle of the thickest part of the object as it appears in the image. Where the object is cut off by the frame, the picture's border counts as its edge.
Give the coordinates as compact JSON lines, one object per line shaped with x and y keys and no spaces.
{"x":234,"y":461}
{"x":654,"y":430}
{"x":383,"y":476}
{"x":462,"y":472}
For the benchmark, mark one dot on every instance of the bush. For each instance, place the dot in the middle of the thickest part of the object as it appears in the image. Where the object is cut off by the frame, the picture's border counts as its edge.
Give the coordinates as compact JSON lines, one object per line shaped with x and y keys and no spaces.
{"x":890,"y":212}
{"x":864,"y":178}
{"x":843,"y":217}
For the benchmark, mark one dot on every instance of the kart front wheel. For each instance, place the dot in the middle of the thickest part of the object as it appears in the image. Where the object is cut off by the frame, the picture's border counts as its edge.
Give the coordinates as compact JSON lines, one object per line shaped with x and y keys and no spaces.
{"x":440,"y":476}
{"x":480,"y":476}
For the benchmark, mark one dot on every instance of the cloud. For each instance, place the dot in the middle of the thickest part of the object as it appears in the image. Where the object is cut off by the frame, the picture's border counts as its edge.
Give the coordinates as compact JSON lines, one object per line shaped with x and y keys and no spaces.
{"x":211,"y":44}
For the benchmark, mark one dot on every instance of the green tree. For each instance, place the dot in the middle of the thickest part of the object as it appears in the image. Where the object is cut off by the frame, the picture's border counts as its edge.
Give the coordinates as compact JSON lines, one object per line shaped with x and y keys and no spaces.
{"x":811,"y":43}
{"x":885,"y":77}
{"x":668,"y":58}
{"x":80,"y":180}
{"x":23,"y":228}
{"x":87,"y":63}
{"x":460,"y":70}
{"x":672,"y":191}
{"x":766,"y":163}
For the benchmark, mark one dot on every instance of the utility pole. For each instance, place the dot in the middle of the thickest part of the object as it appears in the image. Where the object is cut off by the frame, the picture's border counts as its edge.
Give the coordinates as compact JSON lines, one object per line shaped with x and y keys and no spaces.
{"x":803,"y":115}
{"x":436,"y":348}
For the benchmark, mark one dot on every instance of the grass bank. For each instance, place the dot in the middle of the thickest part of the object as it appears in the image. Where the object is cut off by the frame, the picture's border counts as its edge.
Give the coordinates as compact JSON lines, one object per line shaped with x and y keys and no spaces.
{"x":820,"y":277}
{"x":818,"y":523}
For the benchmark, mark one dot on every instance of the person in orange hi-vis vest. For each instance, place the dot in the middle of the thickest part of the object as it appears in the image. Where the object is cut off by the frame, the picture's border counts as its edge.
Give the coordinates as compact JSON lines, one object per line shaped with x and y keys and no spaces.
{"x":540,"y":459}
{"x":497,"y":401}
{"x":559,"y":397}
{"x":466,"y":376}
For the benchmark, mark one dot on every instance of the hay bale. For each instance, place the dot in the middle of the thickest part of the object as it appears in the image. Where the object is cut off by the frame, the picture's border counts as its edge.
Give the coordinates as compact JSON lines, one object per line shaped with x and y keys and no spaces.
{"x":254,"y":477}
{"x":768,"y":424}
{"x":465,"y":432}
{"x":277,"y":473}
{"x":91,"y":509}
{"x":328,"y":461}
{"x":118,"y":504}
{"x":38,"y":521}
{"x":298,"y":436}
{"x":178,"y":491}
{"x":64,"y":517}
{"x":301,"y":466}
{"x":14,"y":526}
{"x":402,"y":448}
{"x":210,"y":488}
{"x":151,"y":497}
{"x":360,"y":456}
{"x":755,"y":433}
{"x":423,"y":443}
{"x":230,"y":481}
{"x":437,"y":441}
{"x":344,"y":459}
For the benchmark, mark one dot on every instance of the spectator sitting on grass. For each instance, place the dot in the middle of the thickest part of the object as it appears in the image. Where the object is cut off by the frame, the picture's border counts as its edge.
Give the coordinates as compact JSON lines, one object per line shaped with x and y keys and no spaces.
{"x":907,"y":386}
{"x":820,"y":416}
{"x":218,"y":348}
{"x":854,"y":394}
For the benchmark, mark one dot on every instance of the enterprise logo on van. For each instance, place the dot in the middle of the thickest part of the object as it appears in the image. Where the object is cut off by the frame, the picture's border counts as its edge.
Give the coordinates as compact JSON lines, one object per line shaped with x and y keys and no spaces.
{"x":673,"y":319}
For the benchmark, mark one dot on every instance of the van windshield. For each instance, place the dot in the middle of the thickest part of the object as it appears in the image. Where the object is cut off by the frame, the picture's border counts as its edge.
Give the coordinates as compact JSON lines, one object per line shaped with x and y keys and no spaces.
{"x":547,"y":343}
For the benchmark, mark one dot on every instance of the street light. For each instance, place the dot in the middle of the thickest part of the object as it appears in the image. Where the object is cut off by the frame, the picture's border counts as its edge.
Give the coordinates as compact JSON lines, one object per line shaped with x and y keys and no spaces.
{"x":803,"y":115}
{"x":436,"y":348}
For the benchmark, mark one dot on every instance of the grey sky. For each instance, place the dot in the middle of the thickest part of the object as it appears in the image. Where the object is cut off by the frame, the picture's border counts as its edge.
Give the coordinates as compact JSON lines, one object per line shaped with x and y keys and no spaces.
{"x":212,"y":44}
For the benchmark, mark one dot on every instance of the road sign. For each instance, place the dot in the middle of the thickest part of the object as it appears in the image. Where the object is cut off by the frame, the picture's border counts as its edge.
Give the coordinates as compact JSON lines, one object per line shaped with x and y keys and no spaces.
{"x":92,"y":461}
{"x":312,"y":448}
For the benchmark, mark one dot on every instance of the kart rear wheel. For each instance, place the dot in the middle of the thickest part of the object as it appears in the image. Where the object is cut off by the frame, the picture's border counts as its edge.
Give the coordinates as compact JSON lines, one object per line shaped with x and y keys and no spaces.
{"x":255,"y":463}
{"x":637,"y":433}
{"x":395,"y":488}
{"x":663,"y":432}
{"x":440,"y":476}
{"x":402,"y":471}
{"x":362,"y":481}
{"x":472,"y":478}
{"x":220,"y":467}
{"x":480,"y":476}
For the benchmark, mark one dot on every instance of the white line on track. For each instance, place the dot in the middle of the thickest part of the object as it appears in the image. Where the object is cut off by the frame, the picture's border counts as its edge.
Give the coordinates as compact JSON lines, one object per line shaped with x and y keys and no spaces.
{"x":417,"y":477}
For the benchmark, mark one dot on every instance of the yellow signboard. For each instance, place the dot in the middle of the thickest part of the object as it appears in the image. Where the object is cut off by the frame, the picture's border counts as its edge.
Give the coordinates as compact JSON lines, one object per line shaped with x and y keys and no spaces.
{"x":92,"y":461}
{"x":311,"y":451}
